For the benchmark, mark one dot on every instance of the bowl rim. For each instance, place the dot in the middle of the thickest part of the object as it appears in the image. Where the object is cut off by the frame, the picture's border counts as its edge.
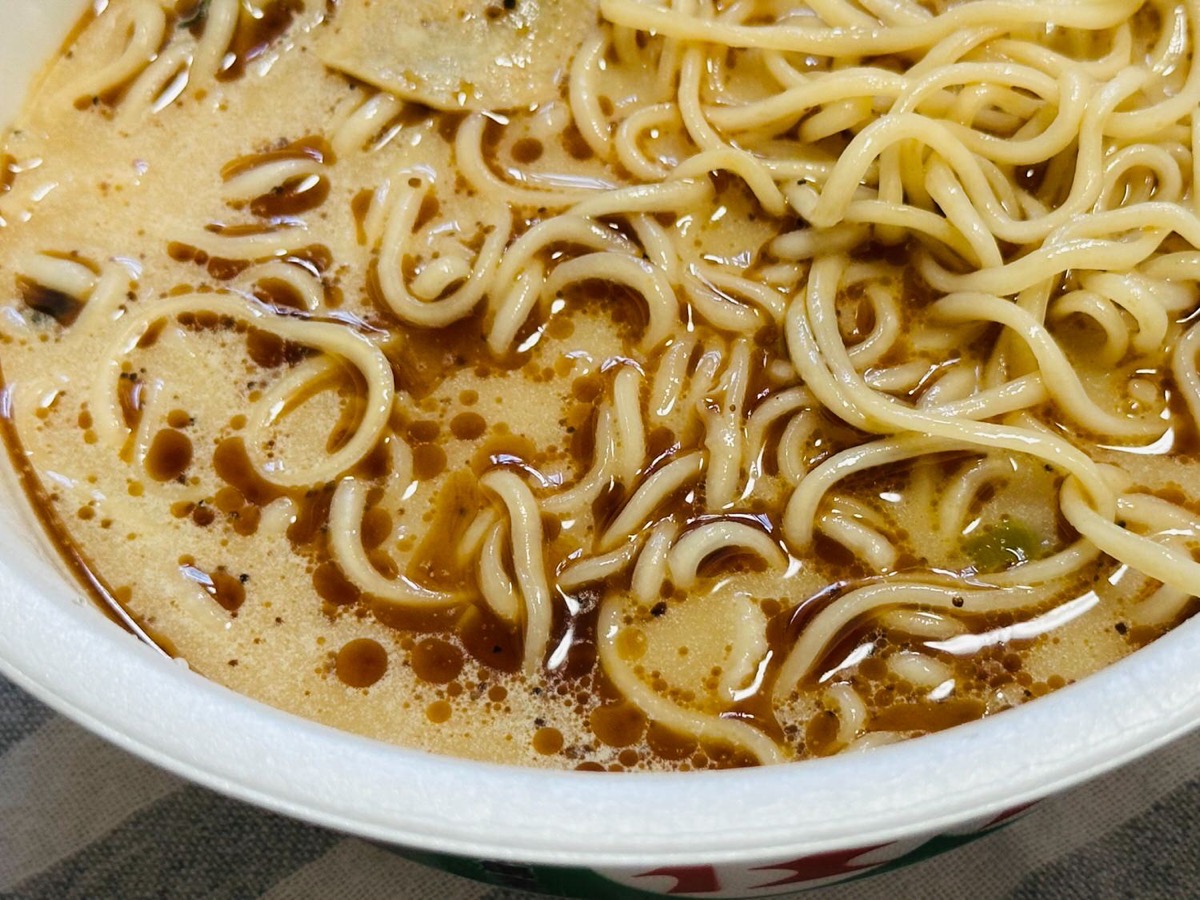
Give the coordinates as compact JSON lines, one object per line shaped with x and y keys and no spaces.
{"x":60,"y":648}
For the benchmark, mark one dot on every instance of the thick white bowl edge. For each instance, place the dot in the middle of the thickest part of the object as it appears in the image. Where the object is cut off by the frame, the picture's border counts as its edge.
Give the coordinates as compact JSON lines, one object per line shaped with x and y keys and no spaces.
{"x":55,"y":644}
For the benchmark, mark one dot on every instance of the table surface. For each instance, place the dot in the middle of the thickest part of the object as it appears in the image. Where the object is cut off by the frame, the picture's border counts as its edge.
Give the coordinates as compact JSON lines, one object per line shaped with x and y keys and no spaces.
{"x":80,"y":818}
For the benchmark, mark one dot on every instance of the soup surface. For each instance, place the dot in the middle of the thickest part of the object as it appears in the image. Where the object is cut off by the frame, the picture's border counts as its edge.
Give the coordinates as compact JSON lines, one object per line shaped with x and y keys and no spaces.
{"x":616,"y":385}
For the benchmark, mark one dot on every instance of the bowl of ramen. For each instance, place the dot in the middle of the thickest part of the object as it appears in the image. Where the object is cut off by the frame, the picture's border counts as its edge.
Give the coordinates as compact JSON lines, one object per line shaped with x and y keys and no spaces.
{"x":608,"y":442}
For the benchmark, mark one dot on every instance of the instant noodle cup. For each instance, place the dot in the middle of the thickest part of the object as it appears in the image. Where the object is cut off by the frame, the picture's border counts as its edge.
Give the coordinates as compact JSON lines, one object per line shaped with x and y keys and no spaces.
{"x":734,"y":833}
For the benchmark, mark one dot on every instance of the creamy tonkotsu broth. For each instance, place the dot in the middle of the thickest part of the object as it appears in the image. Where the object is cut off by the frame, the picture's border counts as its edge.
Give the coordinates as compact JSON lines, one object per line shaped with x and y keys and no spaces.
{"x":619,"y":385}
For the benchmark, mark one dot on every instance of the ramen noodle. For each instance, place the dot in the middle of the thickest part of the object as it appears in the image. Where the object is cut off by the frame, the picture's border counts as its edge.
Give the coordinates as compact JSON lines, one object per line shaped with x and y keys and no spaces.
{"x":638,"y":384}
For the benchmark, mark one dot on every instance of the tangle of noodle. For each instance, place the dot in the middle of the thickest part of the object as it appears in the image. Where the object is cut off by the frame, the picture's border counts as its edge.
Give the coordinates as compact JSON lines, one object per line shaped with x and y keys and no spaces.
{"x":911,"y":358}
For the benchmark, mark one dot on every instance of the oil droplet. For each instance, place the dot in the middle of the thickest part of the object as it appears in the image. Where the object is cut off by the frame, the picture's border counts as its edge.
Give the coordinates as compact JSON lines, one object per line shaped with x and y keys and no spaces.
{"x":436,"y":661}
{"x":618,"y":724}
{"x":548,"y":741}
{"x":332,"y":585}
{"x":169,"y":455}
{"x":361,"y":663}
{"x":429,"y":461}
{"x":468,"y":426}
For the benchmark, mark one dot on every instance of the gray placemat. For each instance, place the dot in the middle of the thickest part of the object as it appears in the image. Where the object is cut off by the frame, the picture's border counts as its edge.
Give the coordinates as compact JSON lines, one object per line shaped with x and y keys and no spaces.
{"x":82,"y":819}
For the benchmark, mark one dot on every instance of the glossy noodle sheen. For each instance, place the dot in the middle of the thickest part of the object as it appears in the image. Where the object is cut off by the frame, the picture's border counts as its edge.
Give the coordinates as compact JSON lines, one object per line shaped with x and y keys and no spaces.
{"x":719,"y":383}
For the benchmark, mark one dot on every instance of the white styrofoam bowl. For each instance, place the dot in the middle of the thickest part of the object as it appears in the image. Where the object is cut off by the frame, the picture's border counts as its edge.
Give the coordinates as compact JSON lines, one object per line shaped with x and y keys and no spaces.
{"x":727,"y":826}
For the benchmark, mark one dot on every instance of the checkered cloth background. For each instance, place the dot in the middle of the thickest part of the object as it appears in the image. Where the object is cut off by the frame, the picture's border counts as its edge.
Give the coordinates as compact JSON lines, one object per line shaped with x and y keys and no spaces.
{"x":82,"y":819}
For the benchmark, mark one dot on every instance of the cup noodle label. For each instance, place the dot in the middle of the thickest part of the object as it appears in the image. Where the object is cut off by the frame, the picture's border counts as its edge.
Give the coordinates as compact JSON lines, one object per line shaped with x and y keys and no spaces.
{"x":758,"y":879}
{"x":788,"y":875}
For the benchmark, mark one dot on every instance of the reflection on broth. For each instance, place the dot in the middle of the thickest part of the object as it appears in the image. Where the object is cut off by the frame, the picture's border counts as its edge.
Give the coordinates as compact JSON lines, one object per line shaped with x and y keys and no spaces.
{"x":719,"y":384}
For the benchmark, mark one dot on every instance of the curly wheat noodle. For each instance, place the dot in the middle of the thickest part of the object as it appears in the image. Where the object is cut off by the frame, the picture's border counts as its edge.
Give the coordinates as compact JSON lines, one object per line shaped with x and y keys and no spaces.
{"x":631,"y":430}
{"x":647,"y":281}
{"x":850,"y":709}
{"x":1104,"y":313}
{"x":345,"y":538}
{"x":562,"y":229}
{"x":1154,"y":118}
{"x":498,"y":590}
{"x":965,"y":486}
{"x":669,"y":196}
{"x":335,"y":341}
{"x":267,"y":177}
{"x":830,"y":622}
{"x":862,"y":540}
{"x":1161,"y":607}
{"x":825,"y":365}
{"x":1149,"y":301}
{"x":801,"y":515}
{"x":944,"y":189}
{"x":525,"y":528}
{"x":471,"y":163}
{"x":629,"y":145}
{"x":1159,"y":515}
{"x":363,"y":121}
{"x":220,"y":24}
{"x":674,"y":23}
{"x":516,"y":305}
{"x":987,"y":272}
{"x":306,"y":286}
{"x":766,"y":414}
{"x":903,"y":378}
{"x":140,"y":24}
{"x":406,"y":204}
{"x":585,"y":104}
{"x":275,"y":404}
{"x":664,"y":711}
{"x":599,"y":568}
{"x":923,"y":624}
{"x":1077,"y":245}
{"x":158,"y":85}
{"x":1159,"y":561}
{"x":683,"y":562}
{"x":717,"y":308}
{"x":101,"y":295}
{"x":657,"y":245}
{"x":793,"y":103}
{"x":740,"y":163}
{"x":691,"y":71}
{"x":670,"y":375}
{"x":596,"y":479}
{"x":838,"y":191}
{"x":793,"y":446}
{"x":63,"y":275}
{"x":143,"y":434}
{"x":650,"y":571}
{"x":704,"y":378}
{"x":767,"y":298}
{"x":650,"y":495}
{"x":958,"y":382}
{"x":724,"y":438}
{"x":272,"y":242}
{"x":883,"y":335}
{"x":886,"y":217}
{"x":1183,"y":367}
{"x":1057,"y":373}
{"x":1155,"y":161}
{"x":476,"y":533}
